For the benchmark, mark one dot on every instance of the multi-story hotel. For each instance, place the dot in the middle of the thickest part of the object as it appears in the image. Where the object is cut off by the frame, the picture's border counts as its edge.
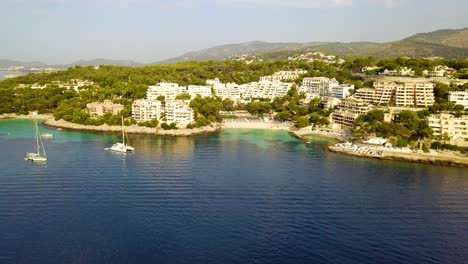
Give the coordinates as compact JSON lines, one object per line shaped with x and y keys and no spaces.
{"x":100,"y":108}
{"x":203,"y":91}
{"x":324,"y":87}
{"x":264,"y":89}
{"x":179,"y":112}
{"x":168,"y":90}
{"x":455,"y":127}
{"x":146,"y":110}
{"x":365,"y":94}
{"x":348,"y":111}
{"x":384,"y":92}
{"x":459,"y":97}
{"x":406,"y":94}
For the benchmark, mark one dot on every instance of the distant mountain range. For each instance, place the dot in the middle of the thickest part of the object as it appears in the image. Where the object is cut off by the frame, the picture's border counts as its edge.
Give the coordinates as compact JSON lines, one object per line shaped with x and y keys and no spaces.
{"x":447,"y":43}
{"x":84,"y":63}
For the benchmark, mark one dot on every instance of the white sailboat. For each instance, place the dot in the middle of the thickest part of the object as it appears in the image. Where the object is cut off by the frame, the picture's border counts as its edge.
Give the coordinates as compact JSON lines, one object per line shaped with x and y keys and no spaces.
{"x":36,"y":156}
{"x":121,"y":146}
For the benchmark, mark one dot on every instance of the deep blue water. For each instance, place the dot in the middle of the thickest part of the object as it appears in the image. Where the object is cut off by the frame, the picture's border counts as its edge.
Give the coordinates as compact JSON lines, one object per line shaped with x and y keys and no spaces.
{"x":238,"y":196}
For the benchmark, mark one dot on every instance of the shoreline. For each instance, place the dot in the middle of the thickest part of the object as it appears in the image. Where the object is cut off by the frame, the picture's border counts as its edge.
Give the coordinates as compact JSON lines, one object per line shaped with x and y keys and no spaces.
{"x":134,"y":129}
{"x":441,"y":159}
{"x":444,"y":160}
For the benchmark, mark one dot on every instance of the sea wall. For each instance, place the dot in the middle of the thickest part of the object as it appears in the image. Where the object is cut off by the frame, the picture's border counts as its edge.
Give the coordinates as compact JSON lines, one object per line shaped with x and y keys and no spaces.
{"x":446,"y":159}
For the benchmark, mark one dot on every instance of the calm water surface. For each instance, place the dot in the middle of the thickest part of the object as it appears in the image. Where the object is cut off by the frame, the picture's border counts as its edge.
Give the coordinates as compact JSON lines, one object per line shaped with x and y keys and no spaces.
{"x":239,"y":196}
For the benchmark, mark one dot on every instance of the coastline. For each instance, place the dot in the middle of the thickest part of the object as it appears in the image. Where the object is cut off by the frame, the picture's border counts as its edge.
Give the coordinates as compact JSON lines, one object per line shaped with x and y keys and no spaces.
{"x":131,"y":129}
{"x":444,"y":159}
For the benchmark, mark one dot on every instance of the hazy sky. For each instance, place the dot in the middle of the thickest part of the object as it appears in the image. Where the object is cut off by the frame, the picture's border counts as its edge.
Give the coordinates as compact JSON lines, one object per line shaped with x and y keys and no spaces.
{"x":62,"y":31}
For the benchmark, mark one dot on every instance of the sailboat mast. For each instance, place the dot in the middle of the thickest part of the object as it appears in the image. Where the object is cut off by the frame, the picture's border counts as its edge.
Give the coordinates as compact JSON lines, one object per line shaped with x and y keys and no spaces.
{"x":123,"y":135}
{"x":37,"y":138}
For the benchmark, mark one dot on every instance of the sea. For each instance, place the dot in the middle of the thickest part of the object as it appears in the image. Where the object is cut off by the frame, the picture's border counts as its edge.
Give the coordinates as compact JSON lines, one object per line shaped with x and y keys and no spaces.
{"x":234,"y":196}
{"x":3,"y":74}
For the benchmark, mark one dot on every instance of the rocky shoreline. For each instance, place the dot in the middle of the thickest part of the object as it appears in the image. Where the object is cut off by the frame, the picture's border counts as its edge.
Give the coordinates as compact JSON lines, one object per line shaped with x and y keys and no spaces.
{"x":131,"y":129}
{"x":445,"y":160}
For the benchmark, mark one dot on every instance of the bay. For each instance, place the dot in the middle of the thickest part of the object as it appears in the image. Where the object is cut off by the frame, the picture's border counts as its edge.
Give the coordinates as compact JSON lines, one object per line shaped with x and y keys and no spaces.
{"x":237,"y":196}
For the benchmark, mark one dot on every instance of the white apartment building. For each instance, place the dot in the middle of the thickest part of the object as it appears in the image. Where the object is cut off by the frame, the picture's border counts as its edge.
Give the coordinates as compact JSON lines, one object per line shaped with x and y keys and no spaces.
{"x":264,"y":89}
{"x":228,"y":90}
{"x":146,"y":110}
{"x":400,"y":72}
{"x":455,"y":127}
{"x":283,"y":75}
{"x":438,"y":71}
{"x":168,"y":90}
{"x":341,"y":91}
{"x":179,"y":112}
{"x":194,"y":90}
{"x":365,"y":94}
{"x":459,"y":97}
{"x":324,"y":87}
{"x":348,"y":111}
{"x":407,"y":94}
{"x":384,"y":92}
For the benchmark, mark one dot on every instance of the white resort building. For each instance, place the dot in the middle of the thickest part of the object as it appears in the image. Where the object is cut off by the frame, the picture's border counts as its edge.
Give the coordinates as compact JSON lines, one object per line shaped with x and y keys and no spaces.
{"x":459,"y":97}
{"x":455,"y":127}
{"x":407,"y":94}
{"x":324,"y":87}
{"x":283,"y":75}
{"x":348,"y":111}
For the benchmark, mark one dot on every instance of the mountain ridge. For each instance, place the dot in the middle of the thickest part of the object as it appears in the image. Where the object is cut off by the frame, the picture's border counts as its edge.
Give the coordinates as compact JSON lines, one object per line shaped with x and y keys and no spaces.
{"x":447,"y":43}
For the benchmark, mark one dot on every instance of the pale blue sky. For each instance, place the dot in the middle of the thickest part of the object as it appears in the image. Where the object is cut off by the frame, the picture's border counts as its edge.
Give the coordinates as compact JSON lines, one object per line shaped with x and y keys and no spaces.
{"x":62,"y":31}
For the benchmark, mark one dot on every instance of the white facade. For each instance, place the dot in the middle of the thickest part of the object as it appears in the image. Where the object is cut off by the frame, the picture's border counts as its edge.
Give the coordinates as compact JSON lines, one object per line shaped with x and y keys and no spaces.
{"x":168,"y":90}
{"x":283,"y":75}
{"x":406,"y":94}
{"x":203,"y":91}
{"x":264,"y":89}
{"x":460,"y":98}
{"x":324,"y":87}
{"x":146,"y":110}
{"x":179,"y":112}
{"x":400,"y":72}
{"x":455,"y":127}
{"x":348,"y":111}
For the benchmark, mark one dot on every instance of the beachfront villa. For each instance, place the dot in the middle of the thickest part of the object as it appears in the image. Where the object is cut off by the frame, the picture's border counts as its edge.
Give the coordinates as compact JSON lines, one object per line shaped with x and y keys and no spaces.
{"x":459,"y":97}
{"x":98,"y":109}
{"x":455,"y":127}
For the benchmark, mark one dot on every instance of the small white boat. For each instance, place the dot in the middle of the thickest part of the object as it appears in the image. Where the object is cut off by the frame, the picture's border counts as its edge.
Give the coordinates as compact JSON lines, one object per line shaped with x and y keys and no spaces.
{"x":121,"y":147}
{"x":36,"y":156}
{"x":47,"y":135}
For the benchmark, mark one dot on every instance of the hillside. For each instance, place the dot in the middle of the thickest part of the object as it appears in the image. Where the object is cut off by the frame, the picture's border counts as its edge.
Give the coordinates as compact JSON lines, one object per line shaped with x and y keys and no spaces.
{"x":449,"y":43}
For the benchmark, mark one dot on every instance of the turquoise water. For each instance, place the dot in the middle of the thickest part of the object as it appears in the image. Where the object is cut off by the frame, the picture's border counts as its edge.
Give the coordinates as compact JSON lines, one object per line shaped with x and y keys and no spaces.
{"x":237,"y":196}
